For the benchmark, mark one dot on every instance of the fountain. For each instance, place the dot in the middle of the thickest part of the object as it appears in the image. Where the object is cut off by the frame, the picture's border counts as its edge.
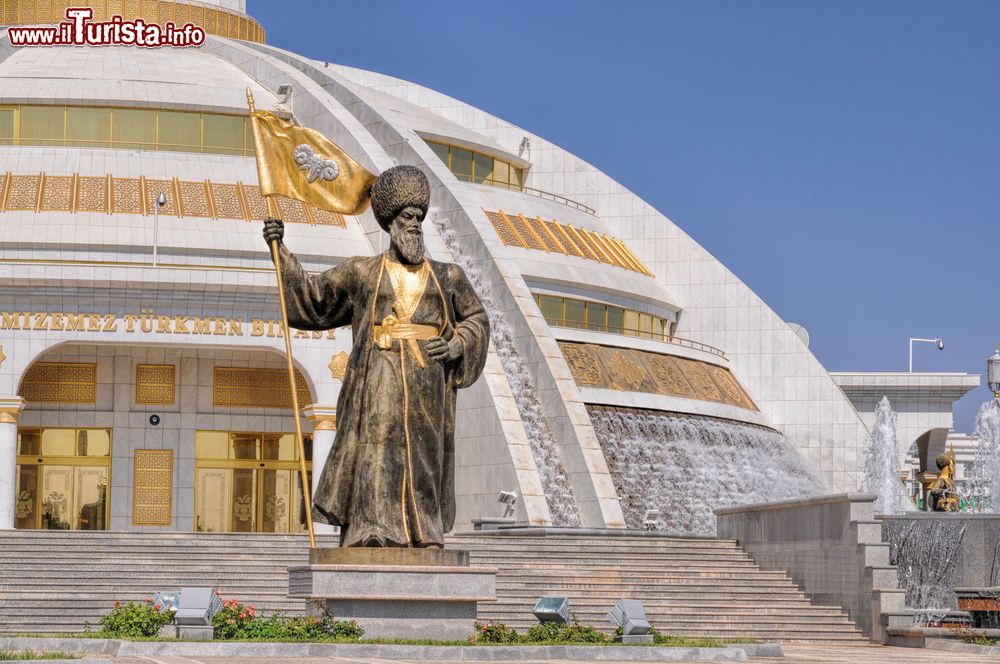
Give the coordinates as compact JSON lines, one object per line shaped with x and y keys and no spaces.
{"x":881,"y":471}
{"x":552,"y":471}
{"x":950,"y":561}
{"x":983,"y":483}
{"x":686,"y":465}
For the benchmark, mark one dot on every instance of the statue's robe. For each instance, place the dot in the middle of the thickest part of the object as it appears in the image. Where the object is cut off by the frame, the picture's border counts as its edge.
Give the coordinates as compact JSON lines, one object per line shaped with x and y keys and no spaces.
{"x":390,"y":478}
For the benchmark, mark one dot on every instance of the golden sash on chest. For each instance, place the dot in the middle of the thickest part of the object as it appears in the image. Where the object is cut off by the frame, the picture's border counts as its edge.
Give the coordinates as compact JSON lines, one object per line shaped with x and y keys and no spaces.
{"x":408,"y":287}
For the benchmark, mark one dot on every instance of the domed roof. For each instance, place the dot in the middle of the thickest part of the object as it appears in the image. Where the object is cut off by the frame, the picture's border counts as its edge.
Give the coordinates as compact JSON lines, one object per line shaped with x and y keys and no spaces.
{"x":189,"y":79}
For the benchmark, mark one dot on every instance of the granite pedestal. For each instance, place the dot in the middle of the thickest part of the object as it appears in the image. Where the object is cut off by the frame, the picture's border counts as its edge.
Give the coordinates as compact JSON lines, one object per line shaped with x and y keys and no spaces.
{"x":397,"y":593}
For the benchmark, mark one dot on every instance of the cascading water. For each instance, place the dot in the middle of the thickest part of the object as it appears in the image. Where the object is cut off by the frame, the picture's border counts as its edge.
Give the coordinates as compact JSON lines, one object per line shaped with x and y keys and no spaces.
{"x":981,"y":491}
{"x":881,"y":471}
{"x":685,"y":466}
{"x":925,"y":552}
{"x":558,"y":491}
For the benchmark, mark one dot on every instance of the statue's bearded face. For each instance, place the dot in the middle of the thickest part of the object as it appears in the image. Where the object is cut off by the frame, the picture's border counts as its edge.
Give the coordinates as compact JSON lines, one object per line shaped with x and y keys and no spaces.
{"x":407,"y":235}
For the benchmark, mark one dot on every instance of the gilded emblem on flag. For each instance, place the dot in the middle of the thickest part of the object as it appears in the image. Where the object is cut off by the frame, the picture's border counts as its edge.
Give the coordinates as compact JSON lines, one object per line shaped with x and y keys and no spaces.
{"x":316,"y":166}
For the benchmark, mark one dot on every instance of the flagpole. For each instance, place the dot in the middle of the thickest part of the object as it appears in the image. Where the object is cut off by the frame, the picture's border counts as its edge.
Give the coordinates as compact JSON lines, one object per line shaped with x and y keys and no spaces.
{"x":304,"y":476}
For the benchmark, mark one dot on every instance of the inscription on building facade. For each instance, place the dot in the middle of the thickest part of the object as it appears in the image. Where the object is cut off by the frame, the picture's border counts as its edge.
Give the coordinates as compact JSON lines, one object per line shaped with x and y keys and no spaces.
{"x":148,"y":322}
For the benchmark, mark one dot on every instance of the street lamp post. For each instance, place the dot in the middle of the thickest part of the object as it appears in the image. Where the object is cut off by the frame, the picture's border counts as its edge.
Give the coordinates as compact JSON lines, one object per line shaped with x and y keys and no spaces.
{"x":939,"y":342}
{"x":161,"y":200}
{"x":993,"y":375}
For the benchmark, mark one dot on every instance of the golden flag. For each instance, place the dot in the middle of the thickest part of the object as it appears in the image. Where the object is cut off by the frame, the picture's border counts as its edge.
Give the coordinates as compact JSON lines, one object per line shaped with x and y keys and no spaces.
{"x":301,"y":163}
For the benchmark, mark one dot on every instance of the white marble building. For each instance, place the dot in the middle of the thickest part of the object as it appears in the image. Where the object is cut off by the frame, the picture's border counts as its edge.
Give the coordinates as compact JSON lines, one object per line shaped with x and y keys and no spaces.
{"x":141,"y":395}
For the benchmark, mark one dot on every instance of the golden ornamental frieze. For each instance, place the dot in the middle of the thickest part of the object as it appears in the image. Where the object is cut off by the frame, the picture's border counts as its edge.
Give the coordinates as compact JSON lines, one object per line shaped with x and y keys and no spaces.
{"x":198,"y":199}
{"x":631,"y":370}
{"x":520,"y":230}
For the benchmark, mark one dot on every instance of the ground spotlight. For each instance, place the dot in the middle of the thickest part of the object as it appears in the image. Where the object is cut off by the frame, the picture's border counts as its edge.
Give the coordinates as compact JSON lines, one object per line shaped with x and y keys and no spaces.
{"x":552,"y":608}
{"x":631,"y":617}
{"x":509,"y":500}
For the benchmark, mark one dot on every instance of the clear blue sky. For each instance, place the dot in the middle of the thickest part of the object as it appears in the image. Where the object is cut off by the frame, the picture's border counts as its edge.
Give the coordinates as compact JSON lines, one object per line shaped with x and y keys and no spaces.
{"x":840,"y":157}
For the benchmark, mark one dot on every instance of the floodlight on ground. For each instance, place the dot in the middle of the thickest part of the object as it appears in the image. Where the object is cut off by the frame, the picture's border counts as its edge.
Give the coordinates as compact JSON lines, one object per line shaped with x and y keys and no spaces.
{"x":509,"y":500}
{"x":651,"y":520}
{"x":552,"y":608}
{"x":197,"y":606}
{"x":167,"y":600}
{"x":630,"y":616}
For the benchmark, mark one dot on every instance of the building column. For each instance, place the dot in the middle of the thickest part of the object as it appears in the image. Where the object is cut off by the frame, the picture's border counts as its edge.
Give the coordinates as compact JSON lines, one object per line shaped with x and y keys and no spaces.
{"x":10,"y":409}
{"x":324,"y":423}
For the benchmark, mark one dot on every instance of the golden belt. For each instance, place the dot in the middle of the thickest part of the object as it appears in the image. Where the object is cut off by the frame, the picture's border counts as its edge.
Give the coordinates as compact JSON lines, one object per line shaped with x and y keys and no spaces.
{"x":393,"y":328}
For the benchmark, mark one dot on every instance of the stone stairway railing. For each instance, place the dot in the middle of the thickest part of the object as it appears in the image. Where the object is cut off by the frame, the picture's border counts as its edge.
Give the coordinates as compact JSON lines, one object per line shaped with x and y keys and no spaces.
{"x":832,"y":548}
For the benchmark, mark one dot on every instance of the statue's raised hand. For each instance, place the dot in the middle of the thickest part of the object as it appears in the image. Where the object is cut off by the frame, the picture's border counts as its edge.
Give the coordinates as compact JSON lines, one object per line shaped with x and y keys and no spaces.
{"x":445,"y":351}
{"x":274,"y":229}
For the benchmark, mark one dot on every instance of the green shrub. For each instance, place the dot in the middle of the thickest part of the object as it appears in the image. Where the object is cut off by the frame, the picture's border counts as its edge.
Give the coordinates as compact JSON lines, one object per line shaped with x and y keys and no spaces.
{"x":135,"y":620}
{"x":572,"y":633}
{"x":493,"y":633}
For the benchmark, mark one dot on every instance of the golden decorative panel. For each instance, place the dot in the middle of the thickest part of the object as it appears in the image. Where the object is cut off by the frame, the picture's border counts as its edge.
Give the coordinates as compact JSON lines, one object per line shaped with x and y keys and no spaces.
{"x":61,"y":382}
{"x":57,"y":193}
{"x":155,"y":384}
{"x":76,"y":193}
{"x":338,"y":365}
{"x":23,"y":192}
{"x":194,"y":199}
{"x":214,"y":20}
{"x":327,"y":218}
{"x":504,"y":230}
{"x":153,"y":188}
{"x":226,"y":199}
{"x":237,"y":387}
{"x":292,"y":211}
{"x":92,"y":194}
{"x":153,"y":488}
{"x":519,"y":230}
{"x":255,"y":204}
{"x":125,"y":196}
{"x":630,"y":370}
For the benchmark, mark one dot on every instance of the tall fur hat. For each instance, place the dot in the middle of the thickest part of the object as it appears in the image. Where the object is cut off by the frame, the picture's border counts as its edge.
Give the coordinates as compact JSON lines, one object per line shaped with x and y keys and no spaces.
{"x":397,"y":188}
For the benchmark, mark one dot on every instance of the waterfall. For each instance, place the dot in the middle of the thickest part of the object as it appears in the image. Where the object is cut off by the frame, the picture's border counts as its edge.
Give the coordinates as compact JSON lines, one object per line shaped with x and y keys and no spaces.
{"x":982,"y":489}
{"x":544,"y":449}
{"x":925,"y":552}
{"x":882,"y":465}
{"x":685,"y":466}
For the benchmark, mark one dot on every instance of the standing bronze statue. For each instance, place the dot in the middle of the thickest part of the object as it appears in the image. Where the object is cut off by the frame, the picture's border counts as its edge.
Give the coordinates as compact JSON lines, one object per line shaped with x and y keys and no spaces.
{"x":420,"y":333}
{"x":942,"y":492}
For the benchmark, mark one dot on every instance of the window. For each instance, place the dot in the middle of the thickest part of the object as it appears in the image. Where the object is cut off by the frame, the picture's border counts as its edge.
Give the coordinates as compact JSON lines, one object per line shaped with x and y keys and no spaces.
{"x":125,"y":128}
{"x":63,"y":479}
{"x":6,"y":126}
{"x":470,"y":166}
{"x":580,"y":314}
{"x":88,"y":127}
{"x":43,"y":125}
{"x":179,"y":132}
{"x":248,"y":482}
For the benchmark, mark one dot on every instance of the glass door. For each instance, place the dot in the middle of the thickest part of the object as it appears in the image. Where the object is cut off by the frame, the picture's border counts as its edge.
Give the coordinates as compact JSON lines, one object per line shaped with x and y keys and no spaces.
{"x":63,"y":479}
{"x":248,"y":482}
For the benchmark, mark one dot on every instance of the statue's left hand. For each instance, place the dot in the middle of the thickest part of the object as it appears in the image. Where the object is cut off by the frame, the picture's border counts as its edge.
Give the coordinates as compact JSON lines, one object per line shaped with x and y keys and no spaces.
{"x":445,"y":351}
